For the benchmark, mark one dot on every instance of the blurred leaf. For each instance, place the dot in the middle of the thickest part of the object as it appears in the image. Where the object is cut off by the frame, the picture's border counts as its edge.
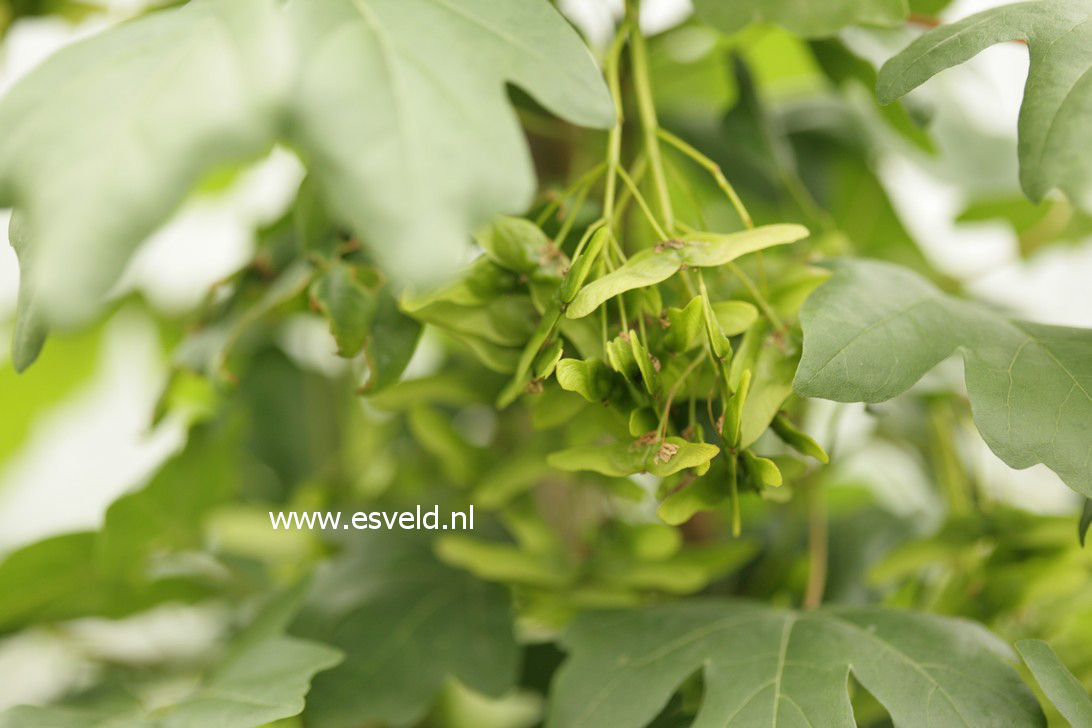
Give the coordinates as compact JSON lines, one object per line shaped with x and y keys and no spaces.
{"x":623,"y":667}
{"x":1054,"y":122}
{"x":1068,"y":696}
{"x":30,"y":329}
{"x":166,"y":515}
{"x":1085,"y":520}
{"x":704,"y":494}
{"x":224,"y":97}
{"x":813,"y":20}
{"x":874,"y":329}
{"x":58,"y":578}
{"x":406,"y":623}
{"x":433,"y":106}
{"x":262,"y":677}
{"x":208,"y":349}
{"x":112,"y":572}
{"x":505,"y":320}
{"x":1036,"y":225}
{"x":842,"y":66}
{"x":69,"y":362}
{"x":653,"y":266}
{"x":734,"y":317}
{"x":294,"y":424}
{"x":498,"y":562}
{"x":347,"y":305}
{"x":391,"y":344}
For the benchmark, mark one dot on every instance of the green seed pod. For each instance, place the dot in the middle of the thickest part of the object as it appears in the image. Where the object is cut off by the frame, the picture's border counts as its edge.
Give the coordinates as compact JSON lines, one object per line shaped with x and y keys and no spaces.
{"x":582,"y":265}
{"x":797,"y":439}
{"x":547,"y":359}
{"x":733,"y":418}
{"x":763,"y":470}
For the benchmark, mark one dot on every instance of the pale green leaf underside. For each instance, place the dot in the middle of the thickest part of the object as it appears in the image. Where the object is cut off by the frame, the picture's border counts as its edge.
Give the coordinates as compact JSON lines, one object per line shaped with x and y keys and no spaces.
{"x":874,"y":329}
{"x":768,"y":667}
{"x":398,"y":107}
{"x":1056,"y":114}
{"x":808,"y":18}
{"x":1061,"y":687}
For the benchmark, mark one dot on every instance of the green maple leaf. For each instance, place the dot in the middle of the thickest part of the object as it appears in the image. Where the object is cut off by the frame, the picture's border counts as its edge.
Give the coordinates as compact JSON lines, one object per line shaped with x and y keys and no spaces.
{"x":398,"y":107}
{"x":406,"y":622}
{"x":874,"y":329}
{"x":1054,"y":123}
{"x":770,"y":667}
{"x":804,"y":17}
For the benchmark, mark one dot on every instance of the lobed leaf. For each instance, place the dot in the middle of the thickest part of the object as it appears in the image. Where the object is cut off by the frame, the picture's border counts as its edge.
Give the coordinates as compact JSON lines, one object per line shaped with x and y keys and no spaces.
{"x":1054,"y":122}
{"x":770,"y":667}
{"x":874,"y":329}
{"x":423,"y":123}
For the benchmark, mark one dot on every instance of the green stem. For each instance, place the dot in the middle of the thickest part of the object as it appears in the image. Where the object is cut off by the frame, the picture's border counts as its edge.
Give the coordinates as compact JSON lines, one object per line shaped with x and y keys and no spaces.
{"x":818,"y":546}
{"x":646,"y":108}
{"x":643,"y":204}
{"x":733,"y":489}
{"x":585,"y":180}
{"x":570,"y":218}
{"x":614,"y":138}
{"x":714,"y":169}
{"x":662,"y":429}
{"x":637,"y":174}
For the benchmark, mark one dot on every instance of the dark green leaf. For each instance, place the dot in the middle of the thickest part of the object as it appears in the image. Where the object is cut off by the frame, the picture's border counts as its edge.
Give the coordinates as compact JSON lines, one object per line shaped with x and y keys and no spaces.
{"x":406,"y":623}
